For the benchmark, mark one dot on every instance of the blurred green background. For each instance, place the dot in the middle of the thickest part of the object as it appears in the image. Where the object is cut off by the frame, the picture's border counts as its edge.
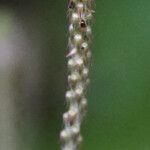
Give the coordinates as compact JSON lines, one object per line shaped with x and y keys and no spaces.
{"x":33,"y":45}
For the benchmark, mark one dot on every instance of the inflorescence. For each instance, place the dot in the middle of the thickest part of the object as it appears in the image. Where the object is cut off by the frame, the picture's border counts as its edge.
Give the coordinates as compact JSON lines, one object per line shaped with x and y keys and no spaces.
{"x":80,"y":16}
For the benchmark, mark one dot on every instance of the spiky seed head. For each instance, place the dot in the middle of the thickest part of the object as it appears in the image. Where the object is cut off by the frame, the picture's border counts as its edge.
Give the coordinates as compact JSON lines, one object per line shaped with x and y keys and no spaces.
{"x":80,"y":15}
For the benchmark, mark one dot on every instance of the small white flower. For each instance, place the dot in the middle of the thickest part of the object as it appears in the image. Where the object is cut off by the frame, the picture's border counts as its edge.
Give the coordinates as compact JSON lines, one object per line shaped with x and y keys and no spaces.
{"x":78,"y":39}
{"x":75,"y":18}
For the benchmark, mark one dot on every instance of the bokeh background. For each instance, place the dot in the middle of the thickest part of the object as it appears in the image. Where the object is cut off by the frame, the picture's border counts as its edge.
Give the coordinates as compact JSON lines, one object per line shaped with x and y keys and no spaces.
{"x":33,"y":45}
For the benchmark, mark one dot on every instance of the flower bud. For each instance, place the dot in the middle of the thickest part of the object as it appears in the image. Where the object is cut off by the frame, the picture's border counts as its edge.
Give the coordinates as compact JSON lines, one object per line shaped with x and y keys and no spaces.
{"x":83,"y":104}
{"x":75,"y":131}
{"x":78,"y":39}
{"x":71,"y":64}
{"x":79,"y":92}
{"x":75,"y":18}
{"x":85,"y":73}
{"x":65,"y":117}
{"x":74,"y":78}
{"x":70,"y":95}
{"x":79,"y":63}
{"x":88,"y":31}
{"x":84,"y":47}
{"x":71,"y":28}
{"x":72,"y":116}
{"x":80,"y":6}
{"x":64,"y":136}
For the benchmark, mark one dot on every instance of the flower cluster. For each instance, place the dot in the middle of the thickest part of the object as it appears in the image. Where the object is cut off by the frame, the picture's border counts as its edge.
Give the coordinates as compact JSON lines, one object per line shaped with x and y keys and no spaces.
{"x":80,"y":16}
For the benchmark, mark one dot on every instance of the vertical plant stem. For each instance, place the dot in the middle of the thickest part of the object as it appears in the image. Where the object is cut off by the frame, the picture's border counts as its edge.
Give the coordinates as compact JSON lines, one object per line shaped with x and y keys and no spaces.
{"x":80,"y":15}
